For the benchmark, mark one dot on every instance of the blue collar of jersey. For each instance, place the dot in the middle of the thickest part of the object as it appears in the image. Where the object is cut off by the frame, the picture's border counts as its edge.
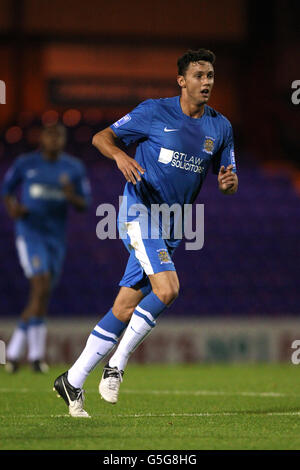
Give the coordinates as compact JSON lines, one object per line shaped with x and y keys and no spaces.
{"x":47,"y":160}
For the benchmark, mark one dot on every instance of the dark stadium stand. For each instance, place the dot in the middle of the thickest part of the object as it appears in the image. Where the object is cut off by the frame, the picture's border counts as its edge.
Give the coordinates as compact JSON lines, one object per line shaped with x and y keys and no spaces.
{"x":249,"y":264}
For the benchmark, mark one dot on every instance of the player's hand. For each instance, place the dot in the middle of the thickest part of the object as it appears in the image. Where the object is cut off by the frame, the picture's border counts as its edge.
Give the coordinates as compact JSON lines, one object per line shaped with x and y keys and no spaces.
{"x":227,"y":179}
{"x":130,"y":168}
{"x":68,"y":190}
{"x":70,"y":194}
{"x":18,"y":211}
{"x":67,"y":187}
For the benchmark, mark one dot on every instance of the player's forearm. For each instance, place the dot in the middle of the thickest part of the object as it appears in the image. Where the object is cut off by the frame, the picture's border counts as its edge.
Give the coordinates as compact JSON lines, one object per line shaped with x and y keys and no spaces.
{"x":105,"y":142}
{"x":9,"y":202}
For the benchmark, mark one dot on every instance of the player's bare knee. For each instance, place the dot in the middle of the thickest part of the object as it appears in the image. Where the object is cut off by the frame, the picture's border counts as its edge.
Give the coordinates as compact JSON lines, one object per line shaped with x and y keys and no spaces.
{"x":167,"y":293}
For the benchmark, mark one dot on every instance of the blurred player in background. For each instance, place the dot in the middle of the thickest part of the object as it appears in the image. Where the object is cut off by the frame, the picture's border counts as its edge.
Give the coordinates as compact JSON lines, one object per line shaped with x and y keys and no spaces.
{"x":179,"y":139}
{"x":51,"y":180}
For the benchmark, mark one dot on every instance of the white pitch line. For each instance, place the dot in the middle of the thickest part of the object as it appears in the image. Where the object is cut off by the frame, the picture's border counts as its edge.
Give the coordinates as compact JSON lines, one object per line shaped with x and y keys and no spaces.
{"x":189,"y":415}
{"x":167,"y":415}
{"x":206,"y":392}
{"x":168,"y":392}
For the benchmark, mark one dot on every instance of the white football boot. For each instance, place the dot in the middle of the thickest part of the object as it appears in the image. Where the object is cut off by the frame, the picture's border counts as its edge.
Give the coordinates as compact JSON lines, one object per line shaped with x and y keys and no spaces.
{"x":74,"y":397}
{"x":110,"y":383}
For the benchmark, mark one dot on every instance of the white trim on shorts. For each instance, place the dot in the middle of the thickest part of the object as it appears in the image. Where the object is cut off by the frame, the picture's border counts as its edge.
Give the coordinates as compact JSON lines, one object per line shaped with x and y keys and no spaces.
{"x":136,"y":241}
{"x":23,"y":256}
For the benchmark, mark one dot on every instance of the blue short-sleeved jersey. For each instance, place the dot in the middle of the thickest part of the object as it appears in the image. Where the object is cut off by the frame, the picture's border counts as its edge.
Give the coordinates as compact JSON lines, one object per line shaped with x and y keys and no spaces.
{"x":175,"y":150}
{"x":42,"y":193}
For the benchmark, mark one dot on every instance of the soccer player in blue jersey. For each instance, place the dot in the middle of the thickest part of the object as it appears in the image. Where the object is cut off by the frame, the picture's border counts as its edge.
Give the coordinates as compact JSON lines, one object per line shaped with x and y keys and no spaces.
{"x":51,"y":180}
{"x":179,"y":139}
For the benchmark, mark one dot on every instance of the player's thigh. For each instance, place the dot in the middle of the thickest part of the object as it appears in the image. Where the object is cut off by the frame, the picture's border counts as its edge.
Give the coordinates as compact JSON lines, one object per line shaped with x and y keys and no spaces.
{"x":150,"y":263}
{"x":165,"y":278}
{"x":134,"y":275}
{"x":152,"y":254}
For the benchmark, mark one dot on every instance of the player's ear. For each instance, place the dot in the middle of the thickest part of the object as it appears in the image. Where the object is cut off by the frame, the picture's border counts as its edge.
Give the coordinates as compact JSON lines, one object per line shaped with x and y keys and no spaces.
{"x":181,"y":81}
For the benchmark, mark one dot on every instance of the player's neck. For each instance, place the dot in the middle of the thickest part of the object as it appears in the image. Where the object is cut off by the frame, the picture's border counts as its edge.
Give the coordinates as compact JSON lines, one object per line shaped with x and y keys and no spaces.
{"x":50,"y":156}
{"x":191,"y":109}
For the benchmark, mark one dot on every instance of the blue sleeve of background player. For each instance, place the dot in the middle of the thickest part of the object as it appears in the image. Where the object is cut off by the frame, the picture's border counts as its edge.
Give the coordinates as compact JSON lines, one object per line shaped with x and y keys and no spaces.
{"x":82,"y":185}
{"x":13,"y":177}
{"x":135,"y":125}
{"x":225,"y":156}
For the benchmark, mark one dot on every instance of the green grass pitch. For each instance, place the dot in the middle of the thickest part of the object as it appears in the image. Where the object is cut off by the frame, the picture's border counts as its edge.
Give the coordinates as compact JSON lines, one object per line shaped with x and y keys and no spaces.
{"x":178,"y":407}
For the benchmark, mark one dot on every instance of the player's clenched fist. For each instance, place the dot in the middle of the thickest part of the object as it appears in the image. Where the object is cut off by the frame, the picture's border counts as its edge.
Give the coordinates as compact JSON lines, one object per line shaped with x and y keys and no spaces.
{"x":227,"y":179}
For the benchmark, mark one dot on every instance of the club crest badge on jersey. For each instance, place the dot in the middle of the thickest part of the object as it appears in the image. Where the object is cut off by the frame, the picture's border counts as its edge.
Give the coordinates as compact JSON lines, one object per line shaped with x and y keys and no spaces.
{"x":209,"y":145}
{"x":122,"y":121}
{"x":64,"y":178}
{"x":164,"y":256}
{"x":36,"y":262}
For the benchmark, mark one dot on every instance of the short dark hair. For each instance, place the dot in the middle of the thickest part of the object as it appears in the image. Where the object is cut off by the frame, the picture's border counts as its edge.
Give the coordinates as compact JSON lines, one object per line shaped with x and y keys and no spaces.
{"x":194,"y":56}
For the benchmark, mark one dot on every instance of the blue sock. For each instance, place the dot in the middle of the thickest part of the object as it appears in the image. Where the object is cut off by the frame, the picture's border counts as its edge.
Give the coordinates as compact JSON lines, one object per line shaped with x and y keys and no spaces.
{"x":35,"y":321}
{"x":141,"y":324}
{"x":150,"y":308}
{"x":23,"y":325}
{"x":109,"y":327}
{"x":100,"y":343}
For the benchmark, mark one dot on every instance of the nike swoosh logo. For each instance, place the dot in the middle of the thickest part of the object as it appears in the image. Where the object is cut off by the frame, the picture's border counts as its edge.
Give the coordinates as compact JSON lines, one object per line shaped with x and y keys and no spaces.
{"x":71,"y":403}
{"x":170,"y":130}
{"x":100,"y":354}
{"x":135,"y":331}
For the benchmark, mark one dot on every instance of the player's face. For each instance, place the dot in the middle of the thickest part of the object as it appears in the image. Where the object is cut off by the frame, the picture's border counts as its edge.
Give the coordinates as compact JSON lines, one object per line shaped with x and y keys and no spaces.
{"x":198,"y":82}
{"x":53,"y":139}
